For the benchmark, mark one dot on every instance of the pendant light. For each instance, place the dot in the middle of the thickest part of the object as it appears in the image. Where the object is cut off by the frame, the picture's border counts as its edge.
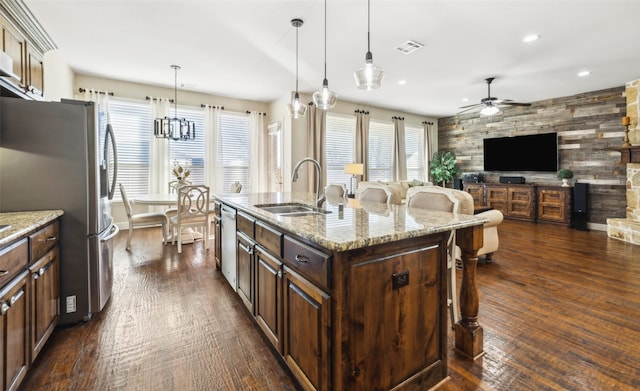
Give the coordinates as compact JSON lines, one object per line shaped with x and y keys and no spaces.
{"x":369,"y":76}
{"x":296,"y":108}
{"x":325,"y":99}
{"x":174,"y":128}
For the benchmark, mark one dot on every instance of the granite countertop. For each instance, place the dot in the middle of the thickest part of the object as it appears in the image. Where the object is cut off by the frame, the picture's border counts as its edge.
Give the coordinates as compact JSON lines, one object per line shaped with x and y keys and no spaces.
{"x":359,"y":225}
{"x":24,"y":223}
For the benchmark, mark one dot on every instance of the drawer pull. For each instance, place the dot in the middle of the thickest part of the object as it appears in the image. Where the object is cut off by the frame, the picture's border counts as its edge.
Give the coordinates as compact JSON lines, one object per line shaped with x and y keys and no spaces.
{"x":4,"y":308}
{"x":49,"y":239}
{"x":41,"y":271}
{"x":4,"y":272}
{"x":246,"y":249}
{"x":16,"y":297}
{"x":302,"y":258}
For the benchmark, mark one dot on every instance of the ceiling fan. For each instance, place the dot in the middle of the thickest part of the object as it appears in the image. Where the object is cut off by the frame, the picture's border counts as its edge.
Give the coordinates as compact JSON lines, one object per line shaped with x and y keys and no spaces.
{"x":491,"y":105}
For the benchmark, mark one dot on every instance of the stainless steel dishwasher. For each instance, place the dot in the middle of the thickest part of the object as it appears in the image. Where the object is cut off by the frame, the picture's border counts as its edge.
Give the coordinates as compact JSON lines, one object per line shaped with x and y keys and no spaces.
{"x":229,"y":245}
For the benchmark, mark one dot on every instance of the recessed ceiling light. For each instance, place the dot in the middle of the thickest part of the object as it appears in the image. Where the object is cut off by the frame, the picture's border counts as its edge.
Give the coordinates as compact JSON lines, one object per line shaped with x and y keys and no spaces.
{"x":465,"y":99}
{"x":531,"y":38}
{"x":402,"y":82}
{"x":584,"y":73}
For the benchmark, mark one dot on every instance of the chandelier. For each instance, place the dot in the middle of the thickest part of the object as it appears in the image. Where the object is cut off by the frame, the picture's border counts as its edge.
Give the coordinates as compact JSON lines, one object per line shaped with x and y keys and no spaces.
{"x":173,"y":127}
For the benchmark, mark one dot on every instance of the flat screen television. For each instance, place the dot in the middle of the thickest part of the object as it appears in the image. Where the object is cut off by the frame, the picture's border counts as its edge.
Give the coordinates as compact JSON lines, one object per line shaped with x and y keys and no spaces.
{"x":535,"y":152}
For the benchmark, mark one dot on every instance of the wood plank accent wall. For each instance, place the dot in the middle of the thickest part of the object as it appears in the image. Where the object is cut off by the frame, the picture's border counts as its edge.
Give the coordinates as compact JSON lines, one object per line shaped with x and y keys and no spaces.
{"x":586,"y":123}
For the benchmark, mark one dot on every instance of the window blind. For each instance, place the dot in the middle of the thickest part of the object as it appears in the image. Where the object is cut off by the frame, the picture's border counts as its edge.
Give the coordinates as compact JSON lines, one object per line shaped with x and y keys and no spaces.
{"x":131,"y":122}
{"x":380,"y":150}
{"x":340,"y":147}
{"x":189,"y":153}
{"x":233,"y":150}
{"x":414,"y":136}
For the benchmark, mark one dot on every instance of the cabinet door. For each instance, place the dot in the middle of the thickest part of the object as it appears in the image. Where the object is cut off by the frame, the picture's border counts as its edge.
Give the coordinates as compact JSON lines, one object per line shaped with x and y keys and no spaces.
{"x":268,"y":303}
{"x":218,"y":240}
{"x":398,"y":323}
{"x":13,"y":44}
{"x":45,"y":299}
{"x":521,"y":201}
{"x":307,"y":326}
{"x":497,"y":198}
{"x":13,"y":317}
{"x":245,"y":269}
{"x":35,"y":72}
{"x":477,"y":192}
{"x":553,"y":205}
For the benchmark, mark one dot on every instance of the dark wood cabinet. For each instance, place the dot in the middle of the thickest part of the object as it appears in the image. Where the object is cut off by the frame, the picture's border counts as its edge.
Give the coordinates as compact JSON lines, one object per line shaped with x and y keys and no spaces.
{"x":554,"y":204}
{"x":14,"y":332}
{"x":307,"y":331}
{"x":268,"y":298}
{"x":477,"y":192}
{"x":45,"y":299}
{"x":521,"y":201}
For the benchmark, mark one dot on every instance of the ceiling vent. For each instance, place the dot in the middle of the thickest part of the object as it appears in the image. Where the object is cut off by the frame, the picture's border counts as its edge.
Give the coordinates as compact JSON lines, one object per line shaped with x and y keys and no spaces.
{"x":409,"y":47}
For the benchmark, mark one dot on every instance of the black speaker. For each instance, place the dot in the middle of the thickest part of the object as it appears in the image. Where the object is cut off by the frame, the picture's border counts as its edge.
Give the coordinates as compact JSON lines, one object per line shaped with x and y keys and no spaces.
{"x":579,"y":209}
{"x":512,"y":179}
{"x":457,"y":184}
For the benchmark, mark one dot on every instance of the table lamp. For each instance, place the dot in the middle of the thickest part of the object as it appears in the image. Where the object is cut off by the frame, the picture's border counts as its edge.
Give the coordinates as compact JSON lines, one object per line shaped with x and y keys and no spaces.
{"x":353,"y":169}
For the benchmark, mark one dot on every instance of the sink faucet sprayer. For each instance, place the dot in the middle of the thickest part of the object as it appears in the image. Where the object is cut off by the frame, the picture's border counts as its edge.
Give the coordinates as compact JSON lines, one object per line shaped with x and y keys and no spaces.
{"x":294,"y":178}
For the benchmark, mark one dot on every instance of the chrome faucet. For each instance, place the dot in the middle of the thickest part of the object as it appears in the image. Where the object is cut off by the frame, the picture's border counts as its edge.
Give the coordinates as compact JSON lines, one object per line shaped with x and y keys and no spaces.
{"x":294,"y":178}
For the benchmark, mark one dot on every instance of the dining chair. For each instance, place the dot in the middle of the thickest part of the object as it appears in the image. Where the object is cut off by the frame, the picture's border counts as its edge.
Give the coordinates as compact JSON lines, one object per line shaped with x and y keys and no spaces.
{"x":142,"y":219}
{"x":375,"y":194}
{"x":193,"y":212}
{"x":437,"y":198}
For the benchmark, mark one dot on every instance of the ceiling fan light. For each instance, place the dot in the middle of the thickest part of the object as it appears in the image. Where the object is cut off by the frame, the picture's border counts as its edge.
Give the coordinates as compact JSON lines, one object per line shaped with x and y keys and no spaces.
{"x":296,"y":108}
{"x":369,"y":76}
{"x":489,"y":110}
{"x":325,"y":99}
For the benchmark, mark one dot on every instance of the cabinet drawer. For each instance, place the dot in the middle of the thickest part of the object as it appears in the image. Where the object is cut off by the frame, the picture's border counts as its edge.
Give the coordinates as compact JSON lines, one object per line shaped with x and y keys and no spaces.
{"x":44,"y":240}
{"x":245,"y":224}
{"x":13,"y":259}
{"x":269,"y":238}
{"x":308,"y":261}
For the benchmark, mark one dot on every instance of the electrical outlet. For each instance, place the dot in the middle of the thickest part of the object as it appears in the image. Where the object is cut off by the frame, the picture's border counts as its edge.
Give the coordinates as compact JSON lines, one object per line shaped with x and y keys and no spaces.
{"x":71,"y":304}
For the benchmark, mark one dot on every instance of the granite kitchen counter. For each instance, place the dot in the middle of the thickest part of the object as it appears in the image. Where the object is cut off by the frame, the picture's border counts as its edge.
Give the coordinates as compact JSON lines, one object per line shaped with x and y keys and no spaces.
{"x":22,"y":224}
{"x":359,"y":225}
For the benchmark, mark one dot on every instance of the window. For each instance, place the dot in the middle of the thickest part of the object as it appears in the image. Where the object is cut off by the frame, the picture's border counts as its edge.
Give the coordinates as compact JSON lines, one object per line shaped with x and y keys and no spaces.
{"x":131,"y":122}
{"x":189,"y":153}
{"x":341,"y":147}
{"x":381,"y":141}
{"x":414,"y":139}
{"x":233,"y":150}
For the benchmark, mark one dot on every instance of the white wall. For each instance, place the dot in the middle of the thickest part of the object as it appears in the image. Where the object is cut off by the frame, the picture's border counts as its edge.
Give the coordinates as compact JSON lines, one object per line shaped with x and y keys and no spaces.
{"x":58,"y":77}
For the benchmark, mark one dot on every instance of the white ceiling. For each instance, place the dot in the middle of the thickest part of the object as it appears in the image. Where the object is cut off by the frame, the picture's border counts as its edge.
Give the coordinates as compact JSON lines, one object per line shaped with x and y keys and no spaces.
{"x":246,"y":48}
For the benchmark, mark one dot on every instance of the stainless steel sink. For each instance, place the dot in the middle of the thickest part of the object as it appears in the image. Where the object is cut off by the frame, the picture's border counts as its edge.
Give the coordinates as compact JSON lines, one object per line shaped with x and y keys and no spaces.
{"x":291,"y":209}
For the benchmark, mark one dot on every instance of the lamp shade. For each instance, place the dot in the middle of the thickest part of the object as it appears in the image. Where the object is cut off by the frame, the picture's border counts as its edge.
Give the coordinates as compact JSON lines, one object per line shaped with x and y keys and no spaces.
{"x":368,"y":77}
{"x":354,"y":168}
{"x":489,"y":110}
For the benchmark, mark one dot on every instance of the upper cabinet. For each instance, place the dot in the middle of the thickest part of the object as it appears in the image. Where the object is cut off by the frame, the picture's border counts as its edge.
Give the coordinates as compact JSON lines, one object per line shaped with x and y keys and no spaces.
{"x":23,"y":43}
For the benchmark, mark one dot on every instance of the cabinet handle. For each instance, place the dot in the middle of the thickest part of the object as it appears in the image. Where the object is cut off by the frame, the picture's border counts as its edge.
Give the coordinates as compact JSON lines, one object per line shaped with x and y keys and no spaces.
{"x":16,"y":297}
{"x":42,"y":270}
{"x":246,"y":249}
{"x":4,"y":308}
{"x":280,"y":273}
{"x":35,"y":276}
{"x":49,"y":239}
{"x":302,"y":258}
{"x":4,"y":272}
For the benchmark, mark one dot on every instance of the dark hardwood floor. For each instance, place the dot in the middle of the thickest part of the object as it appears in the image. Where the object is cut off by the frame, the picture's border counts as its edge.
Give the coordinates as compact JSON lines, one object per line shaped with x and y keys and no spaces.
{"x":560,"y":310}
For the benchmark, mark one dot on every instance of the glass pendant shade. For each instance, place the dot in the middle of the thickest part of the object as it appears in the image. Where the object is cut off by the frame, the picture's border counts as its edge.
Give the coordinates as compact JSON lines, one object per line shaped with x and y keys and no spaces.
{"x":325,"y":99}
{"x":489,"y":110}
{"x":369,"y":76}
{"x":296,"y":108}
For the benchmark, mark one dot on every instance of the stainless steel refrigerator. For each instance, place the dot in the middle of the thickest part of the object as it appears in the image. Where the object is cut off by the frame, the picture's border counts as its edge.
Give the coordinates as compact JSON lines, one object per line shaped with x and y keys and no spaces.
{"x":62,"y":155}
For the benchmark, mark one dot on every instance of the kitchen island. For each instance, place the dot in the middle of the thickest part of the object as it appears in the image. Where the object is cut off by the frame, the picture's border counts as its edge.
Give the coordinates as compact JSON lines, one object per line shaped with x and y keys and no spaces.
{"x":353,"y":297}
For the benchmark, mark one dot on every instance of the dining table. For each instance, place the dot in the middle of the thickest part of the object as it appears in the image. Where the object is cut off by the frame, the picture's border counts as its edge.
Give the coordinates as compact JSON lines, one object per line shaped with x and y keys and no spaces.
{"x":170,"y":200}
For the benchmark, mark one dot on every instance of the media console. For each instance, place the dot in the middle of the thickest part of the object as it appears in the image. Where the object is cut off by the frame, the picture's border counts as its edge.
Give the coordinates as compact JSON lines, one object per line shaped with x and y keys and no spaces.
{"x":529,"y":202}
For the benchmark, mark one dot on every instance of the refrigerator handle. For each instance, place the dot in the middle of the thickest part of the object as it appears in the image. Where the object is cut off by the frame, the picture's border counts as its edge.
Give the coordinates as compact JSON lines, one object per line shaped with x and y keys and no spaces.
{"x":109,"y":136}
{"x":114,"y":232}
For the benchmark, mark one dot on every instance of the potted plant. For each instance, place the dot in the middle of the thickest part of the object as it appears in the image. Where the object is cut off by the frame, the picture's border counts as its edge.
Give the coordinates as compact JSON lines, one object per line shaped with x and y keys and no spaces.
{"x":565,"y":174}
{"x":443,"y":167}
